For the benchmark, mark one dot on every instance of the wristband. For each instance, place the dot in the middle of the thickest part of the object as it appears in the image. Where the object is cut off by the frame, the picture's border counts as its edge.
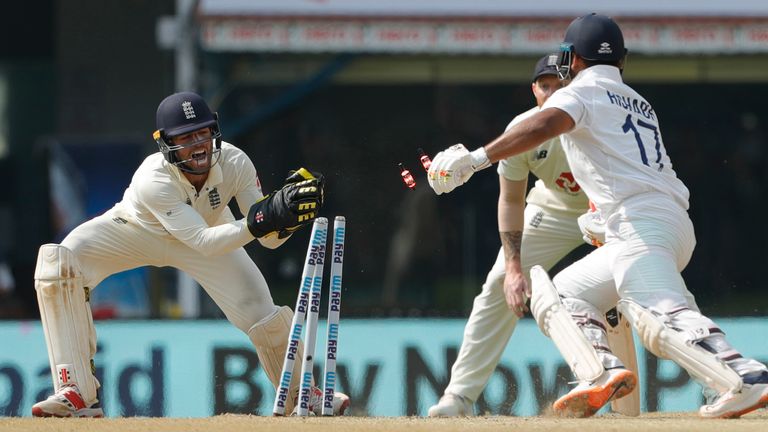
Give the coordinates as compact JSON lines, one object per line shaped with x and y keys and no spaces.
{"x":480,"y":159}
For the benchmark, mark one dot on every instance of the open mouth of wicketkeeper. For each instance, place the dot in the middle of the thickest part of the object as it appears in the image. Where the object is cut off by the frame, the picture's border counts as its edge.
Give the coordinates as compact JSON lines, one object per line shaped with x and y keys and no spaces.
{"x":200,"y":155}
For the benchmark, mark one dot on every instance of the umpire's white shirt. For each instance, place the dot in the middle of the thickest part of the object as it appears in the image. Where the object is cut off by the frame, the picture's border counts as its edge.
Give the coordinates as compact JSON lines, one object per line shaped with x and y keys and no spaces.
{"x":615,"y":148}
{"x":161,"y":200}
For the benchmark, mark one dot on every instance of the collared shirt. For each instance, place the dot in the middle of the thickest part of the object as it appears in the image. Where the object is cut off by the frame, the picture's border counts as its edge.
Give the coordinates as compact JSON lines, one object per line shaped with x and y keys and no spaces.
{"x":164,"y":202}
{"x":615,"y":149}
{"x":555,"y":187}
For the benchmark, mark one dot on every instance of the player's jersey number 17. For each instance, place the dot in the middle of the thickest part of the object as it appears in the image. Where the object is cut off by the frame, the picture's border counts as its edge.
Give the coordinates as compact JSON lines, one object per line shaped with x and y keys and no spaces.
{"x":629,"y":125}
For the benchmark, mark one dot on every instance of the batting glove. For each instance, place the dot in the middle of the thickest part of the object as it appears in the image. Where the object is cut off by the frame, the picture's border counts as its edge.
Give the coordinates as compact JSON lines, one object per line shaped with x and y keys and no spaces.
{"x":454,"y":166}
{"x":592,"y":226}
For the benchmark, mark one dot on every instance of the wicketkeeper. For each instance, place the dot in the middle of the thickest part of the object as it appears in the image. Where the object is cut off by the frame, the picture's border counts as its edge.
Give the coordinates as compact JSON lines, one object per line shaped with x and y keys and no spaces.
{"x":175,"y":214}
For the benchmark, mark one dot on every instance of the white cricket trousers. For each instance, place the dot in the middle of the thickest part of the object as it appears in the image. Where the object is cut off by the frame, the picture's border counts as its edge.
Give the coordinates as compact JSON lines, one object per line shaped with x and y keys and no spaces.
{"x":548,"y":236}
{"x":649,"y":241}
{"x":107,"y":245}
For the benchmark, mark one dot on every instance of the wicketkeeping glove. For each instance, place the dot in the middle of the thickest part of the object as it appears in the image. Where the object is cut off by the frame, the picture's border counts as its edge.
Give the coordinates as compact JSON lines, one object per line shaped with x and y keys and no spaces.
{"x":288,"y":208}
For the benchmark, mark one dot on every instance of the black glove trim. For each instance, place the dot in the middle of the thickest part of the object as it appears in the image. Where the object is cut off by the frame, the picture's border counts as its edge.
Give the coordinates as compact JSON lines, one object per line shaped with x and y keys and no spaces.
{"x":256,"y":217}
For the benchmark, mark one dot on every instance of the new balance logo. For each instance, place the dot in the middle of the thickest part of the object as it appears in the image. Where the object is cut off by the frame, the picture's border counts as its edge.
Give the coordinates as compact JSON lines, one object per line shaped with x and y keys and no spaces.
{"x":189,"y":111}
{"x":119,"y":220}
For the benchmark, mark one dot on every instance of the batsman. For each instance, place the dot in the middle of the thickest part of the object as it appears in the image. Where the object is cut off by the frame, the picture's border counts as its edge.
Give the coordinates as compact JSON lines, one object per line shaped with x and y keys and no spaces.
{"x":612,"y":139}
{"x":175,"y":214}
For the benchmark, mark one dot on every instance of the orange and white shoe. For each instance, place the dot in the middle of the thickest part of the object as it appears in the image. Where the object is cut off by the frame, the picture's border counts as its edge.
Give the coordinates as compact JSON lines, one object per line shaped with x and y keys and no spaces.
{"x":752,"y":396}
{"x":588,"y":397}
{"x":67,"y":402}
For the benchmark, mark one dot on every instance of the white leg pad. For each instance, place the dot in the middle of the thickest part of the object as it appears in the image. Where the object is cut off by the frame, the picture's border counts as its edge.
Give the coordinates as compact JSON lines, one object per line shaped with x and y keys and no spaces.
{"x":622,"y":344}
{"x":270,"y":337}
{"x":67,"y":320}
{"x":665,"y":342}
{"x":555,"y":322}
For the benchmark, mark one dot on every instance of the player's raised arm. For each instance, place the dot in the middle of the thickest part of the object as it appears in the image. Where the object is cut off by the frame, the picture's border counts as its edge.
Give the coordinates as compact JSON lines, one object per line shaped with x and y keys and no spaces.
{"x":542,"y":126}
{"x":454,"y":166}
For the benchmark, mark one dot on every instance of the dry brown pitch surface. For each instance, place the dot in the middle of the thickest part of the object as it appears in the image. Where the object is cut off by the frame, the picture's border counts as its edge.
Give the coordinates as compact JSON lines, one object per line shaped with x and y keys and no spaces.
{"x":226,"y":423}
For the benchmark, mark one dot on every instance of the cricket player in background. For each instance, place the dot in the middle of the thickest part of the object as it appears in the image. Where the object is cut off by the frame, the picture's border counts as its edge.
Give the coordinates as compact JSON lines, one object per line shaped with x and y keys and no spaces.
{"x":613,"y":142}
{"x":541,"y":232}
{"x":175,"y":214}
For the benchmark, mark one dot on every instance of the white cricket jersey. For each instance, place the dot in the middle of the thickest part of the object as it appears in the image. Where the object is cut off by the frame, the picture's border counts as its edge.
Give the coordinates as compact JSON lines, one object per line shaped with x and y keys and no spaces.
{"x":555,"y":187}
{"x":164,"y":202}
{"x":615,"y":149}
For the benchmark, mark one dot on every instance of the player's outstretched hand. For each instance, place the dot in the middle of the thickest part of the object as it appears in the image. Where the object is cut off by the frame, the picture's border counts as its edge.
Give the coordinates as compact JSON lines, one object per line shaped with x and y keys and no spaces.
{"x":454,"y":166}
{"x":288,"y":208}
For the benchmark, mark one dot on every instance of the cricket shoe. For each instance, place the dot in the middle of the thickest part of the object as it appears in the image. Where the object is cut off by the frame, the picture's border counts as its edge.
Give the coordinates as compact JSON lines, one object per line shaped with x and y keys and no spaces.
{"x":340,"y":403}
{"x":588,"y":397}
{"x":67,"y":402}
{"x":752,"y":395}
{"x":452,"y":405}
